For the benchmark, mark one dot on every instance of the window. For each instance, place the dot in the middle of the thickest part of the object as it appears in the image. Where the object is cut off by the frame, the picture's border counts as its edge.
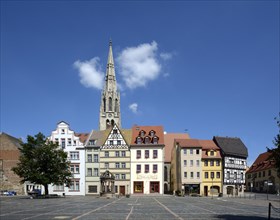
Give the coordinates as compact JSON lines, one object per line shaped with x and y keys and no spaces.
{"x":235,"y":175}
{"x":56,"y":141}
{"x":123,"y":153}
{"x":92,"y":189}
{"x":89,"y":171}
{"x":155,"y":153}
{"x":117,"y":153}
{"x":211,"y":163}
{"x":138,"y":168}
{"x":69,"y":142}
{"x":269,"y":172}
{"x":228,"y":175}
{"x":260,"y":174}
{"x":185,"y":151}
{"x":185,"y":174}
{"x":138,"y":154}
{"x":191,"y":164}
{"x":75,"y":168}
{"x":74,"y":143}
{"x":152,"y":133}
{"x":197,"y":175}
{"x":212,"y":175}
{"x":95,"y":158}
{"x":116,"y":189}
{"x":211,"y":153}
{"x":139,"y":140}
{"x":241,"y":176}
{"x":119,"y":142}
{"x":218,"y":175}
{"x":58,"y":188}
{"x":206,"y":163}
{"x":106,"y":165}
{"x":117,"y":165}
{"x":111,"y":142}
{"x":206,"y":175}
{"x":89,"y":158}
{"x":74,"y":185}
{"x":147,"y":140}
{"x":191,"y":175}
{"x":185,"y":163}
{"x":147,"y":153}
{"x":197,"y":163}
{"x":155,"y":169}
{"x":123,"y":165}
{"x":217,"y":163}
{"x":264,"y":173}
{"x":123,"y":177}
{"x":231,"y":161}
{"x":95,"y":172}
{"x":74,"y":155}
{"x":106,"y":153}
{"x":146,"y":168}
{"x":110,"y":104}
{"x":155,"y":140}
{"x":62,"y":131}
{"x":117,"y":176}
{"x":91,"y":142}
{"x":115,"y":131}
{"x":63,"y":143}
{"x":197,"y":151}
{"x":191,"y":151}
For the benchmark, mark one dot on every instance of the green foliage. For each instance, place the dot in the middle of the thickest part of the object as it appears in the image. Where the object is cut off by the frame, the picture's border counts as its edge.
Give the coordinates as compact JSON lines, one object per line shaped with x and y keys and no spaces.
{"x":42,"y":162}
{"x":276,"y":151}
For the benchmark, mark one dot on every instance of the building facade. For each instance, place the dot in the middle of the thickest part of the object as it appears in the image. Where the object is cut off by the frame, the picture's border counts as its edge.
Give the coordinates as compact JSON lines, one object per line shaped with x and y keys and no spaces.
{"x":9,"y":157}
{"x":115,"y":158}
{"x":234,"y":154}
{"x":212,"y":170}
{"x":262,"y":175}
{"x":73,"y":144}
{"x":147,"y":160}
{"x":110,"y":113}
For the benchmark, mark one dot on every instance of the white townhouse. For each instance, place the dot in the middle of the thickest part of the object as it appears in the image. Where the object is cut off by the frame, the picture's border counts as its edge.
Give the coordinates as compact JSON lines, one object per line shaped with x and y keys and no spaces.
{"x":73,"y":144}
{"x":147,"y":160}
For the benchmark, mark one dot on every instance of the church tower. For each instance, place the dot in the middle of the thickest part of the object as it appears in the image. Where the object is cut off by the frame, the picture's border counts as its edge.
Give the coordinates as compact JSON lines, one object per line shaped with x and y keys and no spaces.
{"x":110,"y":113}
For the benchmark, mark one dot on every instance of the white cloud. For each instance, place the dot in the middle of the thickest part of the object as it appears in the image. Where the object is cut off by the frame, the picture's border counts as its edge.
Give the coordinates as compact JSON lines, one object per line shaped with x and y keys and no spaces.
{"x":138,"y":65}
{"x":91,"y":75}
{"x":166,"y":56}
{"x":134,"y":107}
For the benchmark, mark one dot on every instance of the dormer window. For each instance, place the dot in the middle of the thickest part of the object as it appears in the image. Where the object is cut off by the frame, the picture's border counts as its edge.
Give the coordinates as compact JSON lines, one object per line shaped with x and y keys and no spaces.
{"x":139,"y":140}
{"x":147,"y":140}
{"x":152,"y":133}
{"x":91,"y":142}
{"x":211,"y":153}
{"x":142,"y":133}
{"x":155,"y":140}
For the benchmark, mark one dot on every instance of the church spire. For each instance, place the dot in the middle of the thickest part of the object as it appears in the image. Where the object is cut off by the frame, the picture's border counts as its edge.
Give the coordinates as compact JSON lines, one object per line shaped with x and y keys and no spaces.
{"x":110,"y":98}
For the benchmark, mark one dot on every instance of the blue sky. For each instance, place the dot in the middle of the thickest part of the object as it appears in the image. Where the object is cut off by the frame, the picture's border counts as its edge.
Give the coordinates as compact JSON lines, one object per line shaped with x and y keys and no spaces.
{"x":211,"y":67}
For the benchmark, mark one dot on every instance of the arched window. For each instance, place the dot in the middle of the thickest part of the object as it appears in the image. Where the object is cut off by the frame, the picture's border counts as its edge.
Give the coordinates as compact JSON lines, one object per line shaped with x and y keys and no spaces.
{"x":107,"y":124}
{"x":165,"y":173}
{"x":104,"y":104}
{"x":116,"y":106}
{"x":110,"y":104}
{"x":112,"y":123}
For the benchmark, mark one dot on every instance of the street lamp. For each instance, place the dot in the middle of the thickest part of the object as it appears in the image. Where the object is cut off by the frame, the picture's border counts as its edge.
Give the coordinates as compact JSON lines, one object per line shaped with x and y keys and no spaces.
{"x":212,"y":177}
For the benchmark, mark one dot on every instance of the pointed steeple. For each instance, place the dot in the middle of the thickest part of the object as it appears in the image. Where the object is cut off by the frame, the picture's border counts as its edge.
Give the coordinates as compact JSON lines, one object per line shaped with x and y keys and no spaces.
{"x":110,"y":99}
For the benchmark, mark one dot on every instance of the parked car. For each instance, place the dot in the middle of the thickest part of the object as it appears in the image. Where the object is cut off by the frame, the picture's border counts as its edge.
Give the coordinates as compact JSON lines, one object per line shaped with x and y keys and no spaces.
{"x":9,"y":193}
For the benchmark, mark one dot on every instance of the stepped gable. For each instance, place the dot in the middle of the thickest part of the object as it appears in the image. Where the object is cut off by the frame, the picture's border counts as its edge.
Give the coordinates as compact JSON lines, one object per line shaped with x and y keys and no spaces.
{"x":263,"y":162}
{"x":169,"y":143}
{"x":231,"y":146}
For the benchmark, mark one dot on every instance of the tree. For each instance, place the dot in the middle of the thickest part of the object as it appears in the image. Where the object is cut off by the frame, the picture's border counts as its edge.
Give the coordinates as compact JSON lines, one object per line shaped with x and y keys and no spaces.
{"x":275,"y":152}
{"x":42,"y":162}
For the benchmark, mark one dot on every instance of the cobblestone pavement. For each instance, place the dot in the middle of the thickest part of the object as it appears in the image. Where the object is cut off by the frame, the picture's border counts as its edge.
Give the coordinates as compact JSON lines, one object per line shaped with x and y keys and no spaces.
{"x":136,"y":207}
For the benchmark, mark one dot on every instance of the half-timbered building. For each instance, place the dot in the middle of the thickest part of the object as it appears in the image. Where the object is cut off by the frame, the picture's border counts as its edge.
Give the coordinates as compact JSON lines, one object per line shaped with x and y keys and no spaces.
{"x":234,"y":154}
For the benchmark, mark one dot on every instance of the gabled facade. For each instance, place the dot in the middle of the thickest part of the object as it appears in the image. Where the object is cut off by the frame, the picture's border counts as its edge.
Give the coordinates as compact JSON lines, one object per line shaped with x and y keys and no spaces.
{"x":110,"y":113}
{"x":115,"y":158}
{"x":92,"y":159}
{"x":262,"y":175}
{"x":147,"y":159}
{"x":73,"y":144}
{"x":212,"y":170}
{"x":234,"y":154}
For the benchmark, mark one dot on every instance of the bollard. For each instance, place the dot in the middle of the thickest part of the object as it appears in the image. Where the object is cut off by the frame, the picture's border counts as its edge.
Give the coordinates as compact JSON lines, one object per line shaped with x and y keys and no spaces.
{"x":269,"y":210}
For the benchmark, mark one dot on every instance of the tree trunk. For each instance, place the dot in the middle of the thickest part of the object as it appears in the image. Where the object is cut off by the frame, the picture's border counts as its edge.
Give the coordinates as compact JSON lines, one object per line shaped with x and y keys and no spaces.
{"x":46,"y":189}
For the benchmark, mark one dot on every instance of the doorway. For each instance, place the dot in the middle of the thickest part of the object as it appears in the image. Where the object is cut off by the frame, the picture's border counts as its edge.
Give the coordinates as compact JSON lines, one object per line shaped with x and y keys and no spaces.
{"x":205,"y":190}
{"x":122,"y":190}
{"x":154,"y":187}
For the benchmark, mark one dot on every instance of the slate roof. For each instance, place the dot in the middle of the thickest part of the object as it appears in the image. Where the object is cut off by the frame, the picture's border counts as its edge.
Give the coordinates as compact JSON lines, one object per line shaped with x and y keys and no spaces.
{"x":169,"y":143}
{"x":231,"y":146}
{"x":263,"y":162}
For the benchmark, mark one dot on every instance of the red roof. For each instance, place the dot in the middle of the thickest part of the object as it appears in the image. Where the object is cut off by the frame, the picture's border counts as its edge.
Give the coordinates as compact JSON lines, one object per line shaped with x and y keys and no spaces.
{"x":169,"y":143}
{"x":83,"y":136}
{"x":136,"y":129}
{"x":262,"y":163}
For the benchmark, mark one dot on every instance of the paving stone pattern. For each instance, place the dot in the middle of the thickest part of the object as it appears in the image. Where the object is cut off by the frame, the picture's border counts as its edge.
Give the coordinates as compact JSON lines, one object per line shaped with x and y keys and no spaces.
{"x":135,"y":207}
